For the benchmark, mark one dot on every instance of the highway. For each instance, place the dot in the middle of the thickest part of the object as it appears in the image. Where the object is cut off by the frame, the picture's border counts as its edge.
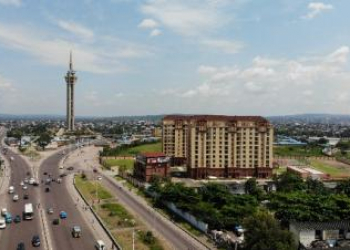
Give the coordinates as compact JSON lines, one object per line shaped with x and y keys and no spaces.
{"x":25,"y":230}
{"x":59,"y":199}
{"x":173,"y":235}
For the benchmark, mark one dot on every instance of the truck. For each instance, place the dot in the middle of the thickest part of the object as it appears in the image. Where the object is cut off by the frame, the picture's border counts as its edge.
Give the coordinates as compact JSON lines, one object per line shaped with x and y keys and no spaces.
{"x":28,"y":213}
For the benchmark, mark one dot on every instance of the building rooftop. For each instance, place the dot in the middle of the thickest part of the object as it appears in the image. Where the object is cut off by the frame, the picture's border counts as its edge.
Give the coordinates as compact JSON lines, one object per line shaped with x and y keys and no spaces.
{"x":328,"y":225}
{"x":153,"y":154}
{"x":217,"y":117}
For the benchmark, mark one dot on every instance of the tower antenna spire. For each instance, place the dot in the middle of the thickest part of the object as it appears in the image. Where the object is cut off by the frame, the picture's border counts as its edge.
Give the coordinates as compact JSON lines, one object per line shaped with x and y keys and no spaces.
{"x":70,"y":61}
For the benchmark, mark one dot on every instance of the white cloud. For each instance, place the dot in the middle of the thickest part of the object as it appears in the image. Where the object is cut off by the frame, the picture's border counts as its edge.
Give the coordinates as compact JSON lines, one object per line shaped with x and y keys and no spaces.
{"x":273,"y":86}
{"x":155,"y":32}
{"x":340,"y":56}
{"x":76,"y":29}
{"x":187,"y":17}
{"x":316,"y":8}
{"x":148,"y":24}
{"x":6,"y":85}
{"x":8,"y":94}
{"x":230,"y":47}
{"x":203,"y":69}
{"x":120,"y":94}
{"x":103,"y":57}
{"x":16,"y":3}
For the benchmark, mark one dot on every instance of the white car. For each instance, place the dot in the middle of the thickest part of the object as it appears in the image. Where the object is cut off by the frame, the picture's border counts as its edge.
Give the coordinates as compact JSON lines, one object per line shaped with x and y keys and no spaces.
{"x":11,"y":190}
{"x":22,"y":183}
{"x":61,"y":167}
{"x":15,"y":197}
{"x":25,"y":187}
{"x":3,"y":211}
{"x":31,"y":181}
{"x":2,"y":223}
{"x":99,"y":178}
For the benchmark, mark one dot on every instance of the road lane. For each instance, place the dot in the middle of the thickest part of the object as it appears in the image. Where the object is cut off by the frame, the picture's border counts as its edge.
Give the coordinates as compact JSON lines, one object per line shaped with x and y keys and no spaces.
{"x":59,"y":199}
{"x":23,"y":231}
{"x":175,"y":236}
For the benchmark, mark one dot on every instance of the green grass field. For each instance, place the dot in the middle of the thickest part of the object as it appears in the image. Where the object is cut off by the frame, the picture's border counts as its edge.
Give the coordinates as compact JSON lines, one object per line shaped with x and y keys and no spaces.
{"x":118,"y":220}
{"x":89,"y":189}
{"x":297,"y":151}
{"x":153,"y":147}
{"x":129,"y":163}
{"x":328,"y":169}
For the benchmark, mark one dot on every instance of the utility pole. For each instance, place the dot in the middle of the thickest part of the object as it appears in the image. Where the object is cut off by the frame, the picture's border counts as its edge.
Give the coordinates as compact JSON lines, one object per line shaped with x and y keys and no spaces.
{"x":133,"y":238}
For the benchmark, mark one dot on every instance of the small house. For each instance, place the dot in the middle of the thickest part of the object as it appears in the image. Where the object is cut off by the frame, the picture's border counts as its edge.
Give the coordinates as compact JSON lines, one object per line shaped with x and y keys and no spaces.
{"x":319,"y":235}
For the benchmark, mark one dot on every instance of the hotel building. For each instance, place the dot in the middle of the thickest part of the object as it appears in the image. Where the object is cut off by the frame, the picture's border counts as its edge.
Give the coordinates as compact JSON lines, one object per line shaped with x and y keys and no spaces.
{"x":220,"y":146}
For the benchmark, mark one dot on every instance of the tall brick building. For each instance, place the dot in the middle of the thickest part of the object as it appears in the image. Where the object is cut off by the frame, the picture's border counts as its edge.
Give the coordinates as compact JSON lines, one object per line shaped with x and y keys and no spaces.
{"x":221,"y":146}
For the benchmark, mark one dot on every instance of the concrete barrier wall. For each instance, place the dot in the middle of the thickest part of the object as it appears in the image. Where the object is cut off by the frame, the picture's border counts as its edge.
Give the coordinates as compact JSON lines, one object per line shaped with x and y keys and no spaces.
{"x":200,"y":225}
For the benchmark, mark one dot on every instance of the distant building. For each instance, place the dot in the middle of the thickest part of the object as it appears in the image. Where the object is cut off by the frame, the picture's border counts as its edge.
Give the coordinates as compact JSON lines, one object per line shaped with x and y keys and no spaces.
{"x":157,"y":132}
{"x":12,"y":141}
{"x":321,"y":235}
{"x":307,"y":172}
{"x":150,"y":164}
{"x":288,"y":141}
{"x":332,"y":141}
{"x":221,"y":146}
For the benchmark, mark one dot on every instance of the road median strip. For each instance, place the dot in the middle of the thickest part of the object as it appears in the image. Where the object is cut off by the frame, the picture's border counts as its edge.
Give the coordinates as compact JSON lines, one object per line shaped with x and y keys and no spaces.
{"x":114,"y":218}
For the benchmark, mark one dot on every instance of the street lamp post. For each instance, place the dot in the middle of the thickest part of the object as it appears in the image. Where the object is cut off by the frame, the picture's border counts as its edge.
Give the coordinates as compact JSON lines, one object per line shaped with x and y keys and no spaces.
{"x":133,"y":234}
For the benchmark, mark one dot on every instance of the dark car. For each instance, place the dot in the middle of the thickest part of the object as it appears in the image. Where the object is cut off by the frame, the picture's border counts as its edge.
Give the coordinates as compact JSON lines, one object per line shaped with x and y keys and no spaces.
{"x":70,"y":168}
{"x":17,"y":219}
{"x":45,"y":173}
{"x":36,"y":241}
{"x":26,"y":197}
{"x":21,"y":246}
{"x":56,"y":221}
{"x":94,"y":170}
{"x":47,"y":189}
{"x":35,"y":184}
{"x":63,"y":175}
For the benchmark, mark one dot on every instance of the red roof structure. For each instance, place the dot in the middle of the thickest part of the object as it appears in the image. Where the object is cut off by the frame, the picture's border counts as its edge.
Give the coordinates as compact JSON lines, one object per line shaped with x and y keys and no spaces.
{"x":153,"y":154}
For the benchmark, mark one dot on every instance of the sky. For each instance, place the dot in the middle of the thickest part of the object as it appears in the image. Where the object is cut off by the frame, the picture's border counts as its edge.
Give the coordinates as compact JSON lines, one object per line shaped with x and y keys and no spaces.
{"x":143,"y":57}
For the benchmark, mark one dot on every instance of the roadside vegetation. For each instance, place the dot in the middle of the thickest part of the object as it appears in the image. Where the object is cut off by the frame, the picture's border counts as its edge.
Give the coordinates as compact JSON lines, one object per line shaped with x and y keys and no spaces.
{"x":117,"y":219}
{"x":294,"y":200}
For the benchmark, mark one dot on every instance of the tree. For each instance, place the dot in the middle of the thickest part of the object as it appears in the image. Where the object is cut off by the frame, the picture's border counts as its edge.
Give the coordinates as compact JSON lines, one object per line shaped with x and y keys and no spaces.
{"x":44,"y":140}
{"x":323,"y":141}
{"x":343,"y":187}
{"x":316,"y":187}
{"x":252,"y":188}
{"x":289,"y":182}
{"x":263,"y":232}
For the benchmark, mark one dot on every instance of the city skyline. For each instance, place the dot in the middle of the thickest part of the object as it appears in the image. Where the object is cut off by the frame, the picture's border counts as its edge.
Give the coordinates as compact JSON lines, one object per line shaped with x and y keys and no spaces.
{"x":161,"y":57}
